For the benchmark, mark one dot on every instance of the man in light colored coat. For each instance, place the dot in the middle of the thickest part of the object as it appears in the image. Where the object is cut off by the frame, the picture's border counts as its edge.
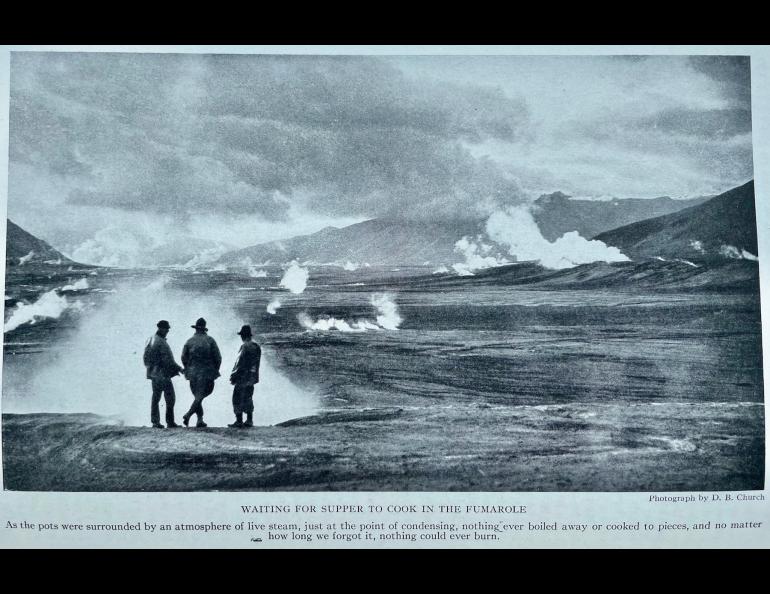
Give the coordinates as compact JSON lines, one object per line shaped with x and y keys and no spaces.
{"x":161,"y":367}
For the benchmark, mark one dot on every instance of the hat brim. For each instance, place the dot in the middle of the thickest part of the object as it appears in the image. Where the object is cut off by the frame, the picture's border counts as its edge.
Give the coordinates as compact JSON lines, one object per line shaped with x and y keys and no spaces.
{"x":199,"y":327}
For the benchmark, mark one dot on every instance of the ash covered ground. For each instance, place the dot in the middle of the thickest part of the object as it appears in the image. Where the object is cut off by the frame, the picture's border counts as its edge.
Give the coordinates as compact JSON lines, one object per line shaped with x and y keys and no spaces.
{"x":606,"y":377}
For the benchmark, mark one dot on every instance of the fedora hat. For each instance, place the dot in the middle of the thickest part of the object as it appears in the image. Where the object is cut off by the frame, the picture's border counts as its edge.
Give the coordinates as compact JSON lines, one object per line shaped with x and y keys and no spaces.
{"x":200,"y":324}
{"x":164,"y":324}
{"x":245,"y":331}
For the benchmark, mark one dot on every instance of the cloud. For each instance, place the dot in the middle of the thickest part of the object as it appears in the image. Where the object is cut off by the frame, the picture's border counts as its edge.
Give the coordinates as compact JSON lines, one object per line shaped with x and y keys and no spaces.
{"x":173,"y":184}
{"x":252,"y":148}
{"x":711,"y":124}
{"x":731,"y":73}
{"x":639,"y":126}
{"x":189,"y":134}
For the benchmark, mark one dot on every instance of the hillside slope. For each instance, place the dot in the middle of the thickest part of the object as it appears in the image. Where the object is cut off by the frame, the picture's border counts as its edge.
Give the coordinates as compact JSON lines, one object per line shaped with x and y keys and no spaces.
{"x":724,"y":226}
{"x":376,"y":241}
{"x":722,"y":274}
{"x":22,"y":247}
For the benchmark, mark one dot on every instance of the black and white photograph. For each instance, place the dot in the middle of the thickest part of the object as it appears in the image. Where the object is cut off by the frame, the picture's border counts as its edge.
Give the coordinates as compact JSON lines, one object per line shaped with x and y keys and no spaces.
{"x":387,"y":273}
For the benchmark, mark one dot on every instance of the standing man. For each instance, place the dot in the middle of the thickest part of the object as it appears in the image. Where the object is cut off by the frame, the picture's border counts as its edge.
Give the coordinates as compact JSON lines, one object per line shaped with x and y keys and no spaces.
{"x":245,"y":374}
{"x":201,"y":359}
{"x":161,"y":367}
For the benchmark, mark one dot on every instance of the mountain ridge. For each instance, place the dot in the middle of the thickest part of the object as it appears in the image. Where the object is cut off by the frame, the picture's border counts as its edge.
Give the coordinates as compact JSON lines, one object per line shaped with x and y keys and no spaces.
{"x":724,"y":226}
{"x":379,"y":241}
{"x":393,"y":242}
{"x":559,"y":213}
{"x":22,"y":247}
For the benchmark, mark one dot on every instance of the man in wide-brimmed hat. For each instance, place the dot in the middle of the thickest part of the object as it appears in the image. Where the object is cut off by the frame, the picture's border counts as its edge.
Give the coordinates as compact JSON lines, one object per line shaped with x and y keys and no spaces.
{"x":244,"y":375}
{"x":161,"y":367}
{"x":201,"y":359}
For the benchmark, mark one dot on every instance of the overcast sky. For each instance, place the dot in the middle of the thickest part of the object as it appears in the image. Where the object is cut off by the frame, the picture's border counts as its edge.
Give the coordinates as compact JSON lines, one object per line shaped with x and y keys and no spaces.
{"x":138,"y":147}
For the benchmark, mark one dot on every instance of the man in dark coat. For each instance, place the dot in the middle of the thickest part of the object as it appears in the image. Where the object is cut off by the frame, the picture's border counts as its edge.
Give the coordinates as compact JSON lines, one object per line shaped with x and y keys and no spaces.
{"x":244,"y":375}
{"x":161,"y":367}
{"x":201,"y":359}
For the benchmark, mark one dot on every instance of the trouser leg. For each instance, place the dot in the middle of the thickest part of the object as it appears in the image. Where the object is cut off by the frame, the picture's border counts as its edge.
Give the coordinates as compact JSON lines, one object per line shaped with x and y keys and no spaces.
{"x":205,"y":389}
{"x":249,"y":406}
{"x":170,"y":397}
{"x":237,"y":404}
{"x":243,"y":402}
{"x":247,"y":403}
{"x":200,"y":389}
{"x":196,"y":408}
{"x":237,"y":401}
{"x":157,"y":388}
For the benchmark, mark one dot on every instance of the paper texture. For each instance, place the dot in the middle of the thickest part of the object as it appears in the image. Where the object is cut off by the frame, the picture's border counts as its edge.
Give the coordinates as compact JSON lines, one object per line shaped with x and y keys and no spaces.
{"x":384,"y":296}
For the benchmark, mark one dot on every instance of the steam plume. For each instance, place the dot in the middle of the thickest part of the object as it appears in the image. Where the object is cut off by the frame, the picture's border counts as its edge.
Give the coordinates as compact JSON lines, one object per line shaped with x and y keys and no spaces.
{"x":295,"y":278}
{"x":273,"y":306}
{"x":387,"y":312}
{"x":477,"y":256}
{"x":516,"y":228}
{"x":387,"y":318}
{"x":49,"y":305}
{"x":80,"y":285}
{"x":730,"y":251}
{"x":24,"y":259}
{"x":97,"y":373}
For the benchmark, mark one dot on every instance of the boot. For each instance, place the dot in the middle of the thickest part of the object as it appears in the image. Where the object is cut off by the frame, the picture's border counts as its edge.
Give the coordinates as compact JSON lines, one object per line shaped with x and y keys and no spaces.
{"x":200,"y":423}
{"x":249,"y":420}
{"x":186,"y":420}
{"x":238,"y":421}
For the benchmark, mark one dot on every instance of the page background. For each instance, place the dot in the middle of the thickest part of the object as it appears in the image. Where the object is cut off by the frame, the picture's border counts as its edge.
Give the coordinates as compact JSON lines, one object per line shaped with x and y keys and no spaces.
{"x":560,"y":507}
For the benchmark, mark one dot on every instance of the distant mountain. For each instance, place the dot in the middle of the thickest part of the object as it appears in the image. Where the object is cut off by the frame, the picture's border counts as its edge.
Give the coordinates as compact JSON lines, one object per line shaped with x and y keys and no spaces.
{"x":389,"y":242}
{"x":557,"y":214}
{"x":22,"y":248}
{"x":378,"y":241}
{"x":724,"y":226}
